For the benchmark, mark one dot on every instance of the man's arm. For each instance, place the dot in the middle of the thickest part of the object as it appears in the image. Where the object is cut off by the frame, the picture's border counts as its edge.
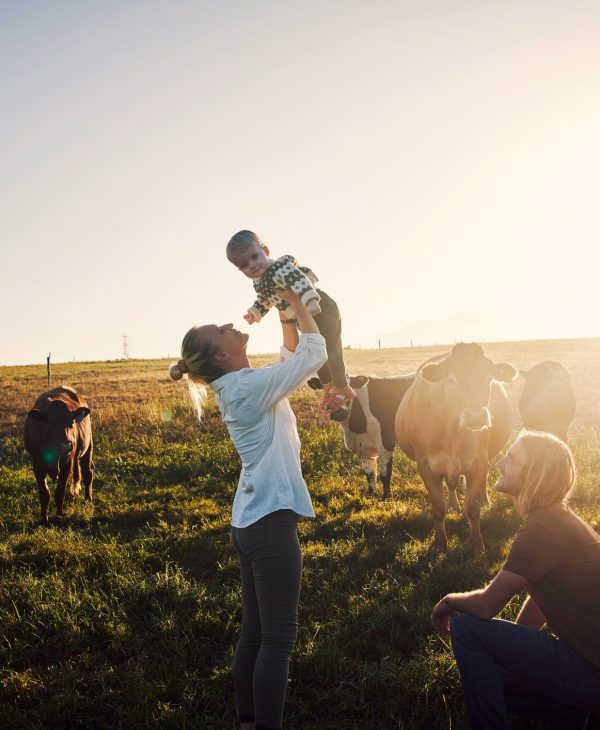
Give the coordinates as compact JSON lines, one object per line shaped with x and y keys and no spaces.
{"x":531,"y":614}
{"x":484,"y":603}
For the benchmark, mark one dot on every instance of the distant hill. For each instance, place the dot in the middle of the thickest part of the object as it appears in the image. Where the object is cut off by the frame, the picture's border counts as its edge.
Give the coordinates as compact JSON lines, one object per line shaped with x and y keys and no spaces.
{"x":483,"y":327}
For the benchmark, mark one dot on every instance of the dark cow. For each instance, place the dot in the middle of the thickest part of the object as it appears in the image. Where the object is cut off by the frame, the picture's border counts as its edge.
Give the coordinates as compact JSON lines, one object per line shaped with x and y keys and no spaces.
{"x":368,"y":424}
{"x":451,"y":421}
{"x":58,"y":437}
{"x":547,"y":402}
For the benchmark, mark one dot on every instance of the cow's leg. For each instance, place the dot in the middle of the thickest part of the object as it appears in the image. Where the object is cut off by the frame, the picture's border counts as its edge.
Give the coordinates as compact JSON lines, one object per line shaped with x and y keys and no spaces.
{"x":87,"y":468}
{"x":475,"y":498}
{"x":453,"y":505}
{"x":385,"y":472}
{"x":40,"y":477}
{"x":61,"y":488}
{"x":371,"y":473}
{"x":76,"y":484}
{"x":435,"y":488}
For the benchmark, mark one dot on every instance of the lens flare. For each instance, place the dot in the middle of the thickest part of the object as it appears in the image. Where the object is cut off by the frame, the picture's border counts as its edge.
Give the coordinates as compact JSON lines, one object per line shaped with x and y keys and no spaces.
{"x":50,"y":455}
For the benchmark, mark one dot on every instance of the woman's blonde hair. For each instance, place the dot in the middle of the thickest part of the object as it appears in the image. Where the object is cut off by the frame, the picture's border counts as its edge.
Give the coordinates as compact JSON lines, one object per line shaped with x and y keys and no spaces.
{"x":549,"y":473}
{"x":241,"y":241}
{"x":197,"y":363}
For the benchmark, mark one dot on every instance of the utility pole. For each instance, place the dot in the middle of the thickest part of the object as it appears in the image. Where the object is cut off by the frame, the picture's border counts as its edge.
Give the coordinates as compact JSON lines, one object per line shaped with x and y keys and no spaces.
{"x":125,"y":350}
{"x":48,"y":367}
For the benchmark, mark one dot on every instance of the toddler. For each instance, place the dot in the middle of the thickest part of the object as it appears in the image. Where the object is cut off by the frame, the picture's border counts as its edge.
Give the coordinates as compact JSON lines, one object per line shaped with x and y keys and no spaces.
{"x":252,"y":257}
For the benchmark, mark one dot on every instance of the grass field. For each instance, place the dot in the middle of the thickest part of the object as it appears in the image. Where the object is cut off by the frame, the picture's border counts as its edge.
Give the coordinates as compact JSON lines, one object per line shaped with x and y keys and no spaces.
{"x":125,"y":615}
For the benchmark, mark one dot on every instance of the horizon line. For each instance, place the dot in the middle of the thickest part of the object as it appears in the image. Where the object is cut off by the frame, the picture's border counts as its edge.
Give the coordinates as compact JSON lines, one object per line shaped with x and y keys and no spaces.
{"x":347,"y":347}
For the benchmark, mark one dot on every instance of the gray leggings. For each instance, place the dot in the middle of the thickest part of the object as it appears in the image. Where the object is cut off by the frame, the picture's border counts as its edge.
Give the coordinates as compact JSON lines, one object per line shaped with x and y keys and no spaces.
{"x":271,"y":569}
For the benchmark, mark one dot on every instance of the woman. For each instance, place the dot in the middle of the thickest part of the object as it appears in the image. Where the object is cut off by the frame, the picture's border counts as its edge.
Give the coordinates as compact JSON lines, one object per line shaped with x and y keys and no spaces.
{"x":555,"y":556}
{"x":270,"y":496}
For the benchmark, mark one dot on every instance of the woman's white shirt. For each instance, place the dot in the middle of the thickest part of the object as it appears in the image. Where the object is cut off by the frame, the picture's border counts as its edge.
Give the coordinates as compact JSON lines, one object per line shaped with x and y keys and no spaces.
{"x":254,"y":406}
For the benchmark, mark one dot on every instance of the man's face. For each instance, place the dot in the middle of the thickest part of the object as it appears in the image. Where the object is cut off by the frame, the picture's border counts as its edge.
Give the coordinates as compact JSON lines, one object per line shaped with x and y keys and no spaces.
{"x":252,"y":261}
{"x":511,"y":469}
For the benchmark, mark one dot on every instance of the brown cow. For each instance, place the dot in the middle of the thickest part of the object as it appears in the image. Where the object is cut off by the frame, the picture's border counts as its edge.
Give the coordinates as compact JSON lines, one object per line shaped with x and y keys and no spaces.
{"x":547,"y":402}
{"x":452,"y":420}
{"x":58,"y":437}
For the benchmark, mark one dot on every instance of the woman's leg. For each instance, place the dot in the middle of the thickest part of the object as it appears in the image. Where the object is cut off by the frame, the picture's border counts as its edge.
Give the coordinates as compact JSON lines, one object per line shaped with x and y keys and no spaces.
{"x":273,"y":552}
{"x":248,"y":643}
{"x":495,"y":656}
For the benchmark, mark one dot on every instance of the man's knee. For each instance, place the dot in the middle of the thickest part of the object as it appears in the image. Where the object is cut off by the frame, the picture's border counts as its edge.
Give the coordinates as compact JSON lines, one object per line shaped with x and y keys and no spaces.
{"x":464,"y":626}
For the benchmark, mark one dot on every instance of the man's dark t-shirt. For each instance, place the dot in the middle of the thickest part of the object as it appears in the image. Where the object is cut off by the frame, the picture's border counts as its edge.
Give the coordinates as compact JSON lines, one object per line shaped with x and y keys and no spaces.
{"x":559,"y":555}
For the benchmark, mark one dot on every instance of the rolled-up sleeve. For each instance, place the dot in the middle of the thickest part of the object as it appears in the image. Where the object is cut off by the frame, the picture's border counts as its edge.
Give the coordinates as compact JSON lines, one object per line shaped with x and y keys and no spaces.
{"x":267,"y":386}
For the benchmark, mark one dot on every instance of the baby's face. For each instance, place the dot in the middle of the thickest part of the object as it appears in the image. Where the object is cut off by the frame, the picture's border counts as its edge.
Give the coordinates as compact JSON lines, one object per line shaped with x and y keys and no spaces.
{"x":252,"y":261}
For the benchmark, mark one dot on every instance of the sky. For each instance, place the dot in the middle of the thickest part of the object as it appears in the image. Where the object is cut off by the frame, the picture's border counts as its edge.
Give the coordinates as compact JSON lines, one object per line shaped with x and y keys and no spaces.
{"x":436,"y":164}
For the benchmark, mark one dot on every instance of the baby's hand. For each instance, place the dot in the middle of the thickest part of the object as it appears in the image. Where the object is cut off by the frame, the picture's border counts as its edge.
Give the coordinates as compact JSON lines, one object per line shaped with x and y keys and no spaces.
{"x":313,"y":307}
{"x":250,"y":318}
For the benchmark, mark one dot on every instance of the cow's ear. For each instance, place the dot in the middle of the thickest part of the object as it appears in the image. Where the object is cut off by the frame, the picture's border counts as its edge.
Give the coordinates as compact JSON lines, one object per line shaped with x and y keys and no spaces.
{"x":37,"y":415}
{"x":434,"y":372}
{"x":80,"y":414}
{"x":358,"y":381}
{"x":504,"y":372}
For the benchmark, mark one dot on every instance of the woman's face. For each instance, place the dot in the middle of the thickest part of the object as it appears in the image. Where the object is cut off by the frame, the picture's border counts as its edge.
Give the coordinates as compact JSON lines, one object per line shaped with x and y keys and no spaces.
{"x":511,"y":468}
{"x":225,"y":337}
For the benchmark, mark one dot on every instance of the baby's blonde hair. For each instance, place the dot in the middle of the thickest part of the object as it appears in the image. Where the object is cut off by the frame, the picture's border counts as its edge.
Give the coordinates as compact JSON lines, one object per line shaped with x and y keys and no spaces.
{"x":197,"y":363}
{"x":241,"y":241}
{"x":549,"y":474}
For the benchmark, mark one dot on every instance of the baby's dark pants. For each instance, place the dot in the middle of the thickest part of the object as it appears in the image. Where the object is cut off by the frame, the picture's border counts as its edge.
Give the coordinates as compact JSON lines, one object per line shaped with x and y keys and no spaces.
{"x":329,"y":323}
{"x":271,"y":570}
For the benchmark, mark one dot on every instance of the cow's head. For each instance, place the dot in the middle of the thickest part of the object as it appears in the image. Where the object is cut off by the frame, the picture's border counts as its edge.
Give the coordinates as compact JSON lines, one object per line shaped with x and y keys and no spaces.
{"x":547,"y":372}
{"x":61,"y":433}
{"x":467,"y":375}
{"x":547,"y":401}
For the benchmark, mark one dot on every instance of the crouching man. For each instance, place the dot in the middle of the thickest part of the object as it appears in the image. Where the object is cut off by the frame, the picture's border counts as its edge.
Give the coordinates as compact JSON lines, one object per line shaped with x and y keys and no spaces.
{"x":514,"y":667}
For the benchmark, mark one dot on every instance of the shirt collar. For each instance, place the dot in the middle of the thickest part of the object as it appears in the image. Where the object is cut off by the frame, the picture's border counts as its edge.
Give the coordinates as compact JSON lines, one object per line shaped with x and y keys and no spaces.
{"x":220,"y":382}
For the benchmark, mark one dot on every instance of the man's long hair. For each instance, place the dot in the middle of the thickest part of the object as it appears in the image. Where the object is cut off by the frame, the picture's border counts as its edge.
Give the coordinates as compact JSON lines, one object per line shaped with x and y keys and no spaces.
{"x":549,"y":474}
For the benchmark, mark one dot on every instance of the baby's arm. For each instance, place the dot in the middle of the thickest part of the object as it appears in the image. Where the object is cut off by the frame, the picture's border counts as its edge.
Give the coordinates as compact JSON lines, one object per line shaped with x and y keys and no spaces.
{"x":286,"y":275}
{"x":257,"y":311}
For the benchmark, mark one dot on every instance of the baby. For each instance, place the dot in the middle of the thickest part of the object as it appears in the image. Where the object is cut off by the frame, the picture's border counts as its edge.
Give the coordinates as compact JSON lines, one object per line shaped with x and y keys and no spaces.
{"x":246,"y":251}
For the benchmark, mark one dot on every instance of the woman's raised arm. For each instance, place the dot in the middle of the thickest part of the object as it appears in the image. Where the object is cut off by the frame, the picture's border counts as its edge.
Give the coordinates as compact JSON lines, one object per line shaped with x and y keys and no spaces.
{"x":305,"y":319}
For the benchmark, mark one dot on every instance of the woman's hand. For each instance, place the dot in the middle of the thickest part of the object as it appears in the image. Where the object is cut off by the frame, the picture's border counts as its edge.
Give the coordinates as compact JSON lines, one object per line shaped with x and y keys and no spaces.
{"x":304,"y":317}
{"x":293,"y":299}
{"x":288,"y":296}
{"x":441,"y":615}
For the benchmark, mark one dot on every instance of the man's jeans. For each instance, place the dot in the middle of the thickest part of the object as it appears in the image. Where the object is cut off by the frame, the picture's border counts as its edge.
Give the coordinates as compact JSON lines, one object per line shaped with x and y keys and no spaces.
{"x":506,"y":667}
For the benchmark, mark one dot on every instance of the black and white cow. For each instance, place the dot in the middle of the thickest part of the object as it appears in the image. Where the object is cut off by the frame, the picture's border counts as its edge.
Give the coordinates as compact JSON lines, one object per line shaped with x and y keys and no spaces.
{"x":368,"y":423}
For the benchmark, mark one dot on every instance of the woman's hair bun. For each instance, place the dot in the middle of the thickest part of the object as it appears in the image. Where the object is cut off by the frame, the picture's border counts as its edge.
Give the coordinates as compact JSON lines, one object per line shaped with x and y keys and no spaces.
{"x":175,"y":371}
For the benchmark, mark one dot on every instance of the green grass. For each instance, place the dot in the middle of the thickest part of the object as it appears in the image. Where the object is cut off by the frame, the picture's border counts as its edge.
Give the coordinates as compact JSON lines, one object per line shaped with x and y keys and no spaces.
{"x":126,"y":613}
